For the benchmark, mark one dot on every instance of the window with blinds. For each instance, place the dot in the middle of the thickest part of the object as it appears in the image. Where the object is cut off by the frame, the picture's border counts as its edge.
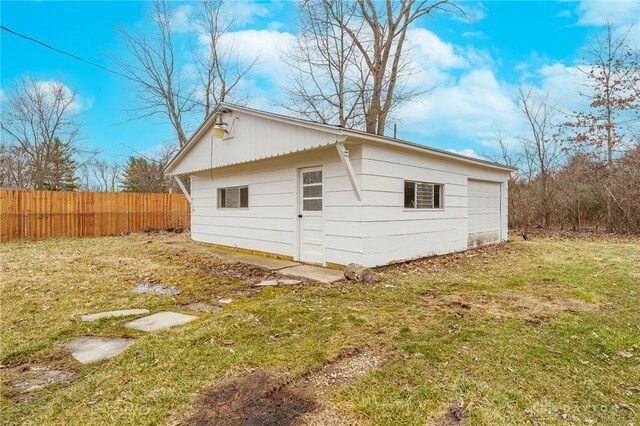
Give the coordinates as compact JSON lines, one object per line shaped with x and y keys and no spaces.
{"x":423,"y":195}
{"x":235,"y":197}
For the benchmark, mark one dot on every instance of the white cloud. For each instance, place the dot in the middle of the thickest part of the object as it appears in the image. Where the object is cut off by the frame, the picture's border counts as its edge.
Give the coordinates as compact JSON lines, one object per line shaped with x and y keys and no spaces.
{"x":472,"y":107}
{"x":182,"y":19}
{"x":245,"y":12}
{"x":563,"y":83}
{"x":430,"y":50}
{"x":618,"y":12}
{"x":245,"y":47}
{"x":238,"y":13}
{"x":266,"y":45}
{"x":467,"y":152}
{"x":79,"y":104}
{"x":432,"y":59}
{"x":474,"y":12}
{"x":473,"y":34}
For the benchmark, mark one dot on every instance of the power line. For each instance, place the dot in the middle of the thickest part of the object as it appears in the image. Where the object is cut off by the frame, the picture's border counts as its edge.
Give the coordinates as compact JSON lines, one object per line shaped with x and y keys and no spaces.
{"x":78,"y":58}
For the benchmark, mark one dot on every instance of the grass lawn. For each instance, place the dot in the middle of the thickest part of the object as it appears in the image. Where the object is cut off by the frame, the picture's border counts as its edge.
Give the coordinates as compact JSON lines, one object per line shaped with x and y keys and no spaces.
{"x":542,"y":332}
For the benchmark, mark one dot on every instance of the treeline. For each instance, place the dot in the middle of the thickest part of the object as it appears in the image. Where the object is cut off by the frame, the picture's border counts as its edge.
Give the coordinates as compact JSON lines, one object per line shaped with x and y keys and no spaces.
{"x":578,"y":196}
{"x":580,"y":170}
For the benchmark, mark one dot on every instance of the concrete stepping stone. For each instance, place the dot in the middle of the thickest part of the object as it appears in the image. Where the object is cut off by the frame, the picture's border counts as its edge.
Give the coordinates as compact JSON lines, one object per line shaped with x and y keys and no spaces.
{"x":160,"y":321}
{"x":314,"y":273}
{"x":281,"y":281}
{"x":226,"y":301}
{"x":114,"y":314}
{"x":90,"y":349}
{"x":267,"y":283}
{"x":289,"y":282}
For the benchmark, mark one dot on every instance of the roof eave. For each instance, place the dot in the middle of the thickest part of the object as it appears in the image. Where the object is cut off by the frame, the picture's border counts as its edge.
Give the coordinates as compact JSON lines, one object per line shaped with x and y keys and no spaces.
{"x":338,"y":131}
{"x":401,"y":144}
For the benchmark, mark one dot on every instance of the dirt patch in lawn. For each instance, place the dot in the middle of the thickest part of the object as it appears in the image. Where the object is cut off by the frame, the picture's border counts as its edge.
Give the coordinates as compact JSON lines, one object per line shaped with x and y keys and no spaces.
{"x":205,"y":307}
{"x":152,"y":287}
{"x":22,"y":380}
{"x":250,"y":399}
{"x":239,"y":271}
{"x":260,"y":398}
{"x":509,"y":304}
{"x":456,"y":414}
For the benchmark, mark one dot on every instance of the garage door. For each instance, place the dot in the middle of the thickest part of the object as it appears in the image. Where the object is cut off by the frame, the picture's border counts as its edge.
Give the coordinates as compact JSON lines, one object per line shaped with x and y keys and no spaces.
{"x":484,"y":213}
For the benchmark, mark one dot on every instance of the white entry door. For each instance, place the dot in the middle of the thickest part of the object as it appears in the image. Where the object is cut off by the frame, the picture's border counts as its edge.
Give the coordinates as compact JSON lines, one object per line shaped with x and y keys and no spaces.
{"x":310,"y":205}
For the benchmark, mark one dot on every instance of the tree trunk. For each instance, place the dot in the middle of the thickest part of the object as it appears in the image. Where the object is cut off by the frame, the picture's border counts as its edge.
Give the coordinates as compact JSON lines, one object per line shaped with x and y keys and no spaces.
{"x":358,"y":273}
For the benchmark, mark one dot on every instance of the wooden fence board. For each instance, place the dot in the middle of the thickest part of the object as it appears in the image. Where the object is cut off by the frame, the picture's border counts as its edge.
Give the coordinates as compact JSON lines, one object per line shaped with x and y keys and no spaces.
{"x":32,"y":215}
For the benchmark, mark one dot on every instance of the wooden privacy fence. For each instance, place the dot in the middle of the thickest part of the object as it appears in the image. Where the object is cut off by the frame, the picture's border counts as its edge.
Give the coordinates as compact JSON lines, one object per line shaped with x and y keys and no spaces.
{"x":32,"y":215}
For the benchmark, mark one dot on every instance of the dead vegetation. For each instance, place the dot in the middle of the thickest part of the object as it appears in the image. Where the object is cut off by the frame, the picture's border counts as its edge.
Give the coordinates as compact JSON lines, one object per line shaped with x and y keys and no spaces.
{"x":239,"y":271}
{"x":499,"y":306}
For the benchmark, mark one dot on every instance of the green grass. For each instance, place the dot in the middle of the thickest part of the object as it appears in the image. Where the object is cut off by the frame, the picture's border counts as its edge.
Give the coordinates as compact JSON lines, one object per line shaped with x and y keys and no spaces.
{"x":540,"y":340}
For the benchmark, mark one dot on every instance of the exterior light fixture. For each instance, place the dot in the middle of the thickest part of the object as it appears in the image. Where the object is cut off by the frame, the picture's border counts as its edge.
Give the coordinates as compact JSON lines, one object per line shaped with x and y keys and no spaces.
{"x":220,"y":130}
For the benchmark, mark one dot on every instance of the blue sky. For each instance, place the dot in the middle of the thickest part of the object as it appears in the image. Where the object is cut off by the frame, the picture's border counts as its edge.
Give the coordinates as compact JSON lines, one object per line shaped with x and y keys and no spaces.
{"x":473,"y":68}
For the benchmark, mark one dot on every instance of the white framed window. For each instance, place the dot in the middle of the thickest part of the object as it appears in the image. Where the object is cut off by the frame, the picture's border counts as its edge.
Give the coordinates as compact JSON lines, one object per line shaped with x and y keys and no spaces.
{"x":312,"y":191}
{"x":233,"y":197}
{"x":423,"y":195}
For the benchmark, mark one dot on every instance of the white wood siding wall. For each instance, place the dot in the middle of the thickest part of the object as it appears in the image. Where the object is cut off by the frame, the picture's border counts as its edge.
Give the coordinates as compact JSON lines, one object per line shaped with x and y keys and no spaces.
{"x":254,"y":138}
{"x":270,"y":224}
{"x":393,"y":233}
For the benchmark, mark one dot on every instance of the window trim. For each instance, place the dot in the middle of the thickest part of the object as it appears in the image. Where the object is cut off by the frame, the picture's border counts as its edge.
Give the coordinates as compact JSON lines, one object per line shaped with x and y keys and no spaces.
{"x":423,"y":209}
{"x":224,"y":188}
{"x":320,"y":197}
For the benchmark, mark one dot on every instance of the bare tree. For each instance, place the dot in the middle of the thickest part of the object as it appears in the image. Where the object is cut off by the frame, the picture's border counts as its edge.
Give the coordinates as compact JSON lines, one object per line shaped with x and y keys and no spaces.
{"x":219,"y":66}
{"x":350,"y":65}
{"x":541,"y":149}
{"x":40,"y":126}
{"x":327,"y":79}
{"x":613,"y":91}
{"x":379,"y":31}
{"x":106,"y":175}
{"x":15,"y":167}
{"x":505,"y":153}
{"x":161,"y":88}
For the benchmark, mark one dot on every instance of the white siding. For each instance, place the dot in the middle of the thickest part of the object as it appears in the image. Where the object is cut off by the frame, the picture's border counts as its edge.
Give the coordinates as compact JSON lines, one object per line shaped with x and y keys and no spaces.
{"x":393,"y":233}
{"x":266,"y":155}
{"x":270,"y":224}
{"x":254,"y":138}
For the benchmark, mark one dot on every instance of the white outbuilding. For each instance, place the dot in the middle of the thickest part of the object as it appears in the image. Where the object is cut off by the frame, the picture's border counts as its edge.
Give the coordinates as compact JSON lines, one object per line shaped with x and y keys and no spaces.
{"x":322,"y":194}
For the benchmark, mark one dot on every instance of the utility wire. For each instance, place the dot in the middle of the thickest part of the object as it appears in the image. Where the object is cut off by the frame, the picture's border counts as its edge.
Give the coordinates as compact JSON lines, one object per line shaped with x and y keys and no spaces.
{"x":78,"y":58}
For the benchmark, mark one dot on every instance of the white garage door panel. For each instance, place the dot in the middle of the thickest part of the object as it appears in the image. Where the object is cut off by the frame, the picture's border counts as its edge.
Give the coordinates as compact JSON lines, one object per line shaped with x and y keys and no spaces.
{"x":484,"y":213}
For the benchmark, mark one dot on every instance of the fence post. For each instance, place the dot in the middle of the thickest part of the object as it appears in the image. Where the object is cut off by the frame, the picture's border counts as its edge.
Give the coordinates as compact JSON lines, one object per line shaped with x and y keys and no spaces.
{"x":126,"y":226}
{"x":26,"y":225}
